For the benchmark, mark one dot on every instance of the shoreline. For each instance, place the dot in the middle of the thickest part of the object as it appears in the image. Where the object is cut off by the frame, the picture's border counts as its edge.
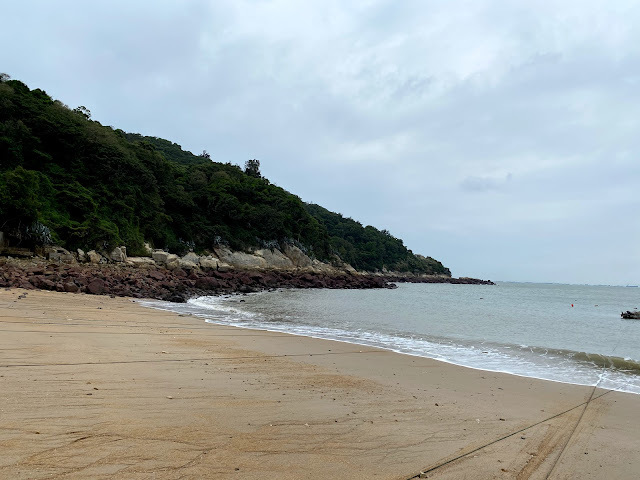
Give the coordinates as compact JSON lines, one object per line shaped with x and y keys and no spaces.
{"x":178,"y":285}
{"x":597,"y":371}
{"x":99,"y":388}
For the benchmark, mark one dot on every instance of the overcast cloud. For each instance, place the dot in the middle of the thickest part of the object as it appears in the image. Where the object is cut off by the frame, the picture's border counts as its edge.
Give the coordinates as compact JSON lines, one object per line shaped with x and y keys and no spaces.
{"x":498,"y":137}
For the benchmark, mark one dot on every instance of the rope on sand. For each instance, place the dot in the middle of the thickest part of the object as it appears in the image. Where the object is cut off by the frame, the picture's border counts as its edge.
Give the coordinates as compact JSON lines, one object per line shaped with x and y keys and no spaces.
{"x":423,"y":473}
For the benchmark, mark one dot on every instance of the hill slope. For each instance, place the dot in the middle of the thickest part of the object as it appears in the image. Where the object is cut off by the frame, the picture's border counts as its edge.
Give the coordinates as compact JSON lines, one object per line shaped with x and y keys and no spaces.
{"x":67,"y":179}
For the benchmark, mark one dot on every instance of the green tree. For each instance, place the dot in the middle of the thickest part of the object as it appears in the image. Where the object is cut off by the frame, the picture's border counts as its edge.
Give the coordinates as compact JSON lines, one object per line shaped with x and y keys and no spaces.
{"x":18,"y":201}
{"x":252,"y":168}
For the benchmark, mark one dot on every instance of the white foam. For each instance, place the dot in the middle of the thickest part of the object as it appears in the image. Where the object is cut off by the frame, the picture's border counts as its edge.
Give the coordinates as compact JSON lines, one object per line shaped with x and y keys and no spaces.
{"x":521,"y":360}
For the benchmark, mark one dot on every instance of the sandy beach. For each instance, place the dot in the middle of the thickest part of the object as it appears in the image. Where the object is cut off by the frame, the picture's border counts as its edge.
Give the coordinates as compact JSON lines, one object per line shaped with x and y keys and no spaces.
{"x":99,"y":387}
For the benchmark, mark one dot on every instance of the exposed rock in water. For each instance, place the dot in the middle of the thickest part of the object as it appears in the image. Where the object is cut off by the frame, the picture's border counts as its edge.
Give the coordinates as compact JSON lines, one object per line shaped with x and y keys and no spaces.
{"x":631,"y":315}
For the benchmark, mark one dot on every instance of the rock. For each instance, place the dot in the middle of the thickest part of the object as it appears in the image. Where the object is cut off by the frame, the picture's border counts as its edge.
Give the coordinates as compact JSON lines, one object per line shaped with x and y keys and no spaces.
{"x":82,"y":257}
{"x":59,"y":254}
{"x":187,"y":265}
{"x":189,"y":262}
{"x":156,"y":275}
{"x":297,"y":256}
{"x":147,"y":248}
{"x":96,"y":286}
{"x":630,"y":315}
{"x":94,"y":257}
{"x":240,"y":259}
{"x":18,"y":252}
{"x":140,"y":261}
{"x":209,"y":262}
{"x":325,"y":268}
{"x":160,"y":256}
{"x":275,"y":259}
{"x":71,"y":287}
{"x":349,"y":269}
{"x":42,"y":283}
{"x":172,"y":261}
{"x":175,"y":298}
{"x":192,"y":257}
{"x":118,"y":254}
{"x":208,"y":283}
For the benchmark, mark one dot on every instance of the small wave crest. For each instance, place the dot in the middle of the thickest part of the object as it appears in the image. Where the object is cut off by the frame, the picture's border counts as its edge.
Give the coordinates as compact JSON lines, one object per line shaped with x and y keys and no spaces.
{"x":565,"y":366}
{"x":596,"y":360}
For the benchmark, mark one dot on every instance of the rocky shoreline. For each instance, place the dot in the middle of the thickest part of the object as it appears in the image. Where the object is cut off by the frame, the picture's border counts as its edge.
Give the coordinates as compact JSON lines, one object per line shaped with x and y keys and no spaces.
{"x":178,"y":285}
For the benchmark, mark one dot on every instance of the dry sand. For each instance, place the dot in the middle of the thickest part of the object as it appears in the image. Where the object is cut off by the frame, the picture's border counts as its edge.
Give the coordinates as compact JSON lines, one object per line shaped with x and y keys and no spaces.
{"x":95,"y":387}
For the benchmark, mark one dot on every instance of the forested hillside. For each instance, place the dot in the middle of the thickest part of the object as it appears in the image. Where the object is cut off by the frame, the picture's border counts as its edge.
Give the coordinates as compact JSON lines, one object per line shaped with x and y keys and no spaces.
{"x":67,"y":179}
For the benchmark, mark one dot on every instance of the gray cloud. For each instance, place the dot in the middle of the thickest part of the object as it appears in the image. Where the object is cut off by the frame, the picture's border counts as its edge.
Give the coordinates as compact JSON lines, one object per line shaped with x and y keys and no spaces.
{"x":409,"y":116}
{"x":485,"y":183}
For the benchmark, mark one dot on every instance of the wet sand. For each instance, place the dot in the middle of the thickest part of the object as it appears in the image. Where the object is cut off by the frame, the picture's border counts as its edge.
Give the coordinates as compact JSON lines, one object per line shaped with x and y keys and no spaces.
{"x":99,"y":387}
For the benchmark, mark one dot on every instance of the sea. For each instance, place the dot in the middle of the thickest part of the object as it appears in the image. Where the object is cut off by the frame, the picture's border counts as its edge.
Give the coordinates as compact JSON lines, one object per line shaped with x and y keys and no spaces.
{"x":564,"y":333}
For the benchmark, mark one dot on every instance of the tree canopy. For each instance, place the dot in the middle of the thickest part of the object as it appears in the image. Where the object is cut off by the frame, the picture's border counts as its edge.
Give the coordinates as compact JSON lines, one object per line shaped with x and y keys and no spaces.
{"x":67,"y":179}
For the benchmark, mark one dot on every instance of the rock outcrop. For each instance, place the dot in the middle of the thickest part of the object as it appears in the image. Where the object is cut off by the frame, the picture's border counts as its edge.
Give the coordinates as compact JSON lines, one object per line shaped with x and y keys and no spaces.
{"x":240,"y":260}
{"x":275,"y":259}
{"x":124,"y":279}
{"x":297,"y":256}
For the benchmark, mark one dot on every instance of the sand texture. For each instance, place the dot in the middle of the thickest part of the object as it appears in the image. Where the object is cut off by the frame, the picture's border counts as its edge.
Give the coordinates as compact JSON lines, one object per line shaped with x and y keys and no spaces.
{"x":98,"y":387}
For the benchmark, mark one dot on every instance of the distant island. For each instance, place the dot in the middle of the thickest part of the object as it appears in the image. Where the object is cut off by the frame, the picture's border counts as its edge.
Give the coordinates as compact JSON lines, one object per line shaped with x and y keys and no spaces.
{"x":70,"y":184}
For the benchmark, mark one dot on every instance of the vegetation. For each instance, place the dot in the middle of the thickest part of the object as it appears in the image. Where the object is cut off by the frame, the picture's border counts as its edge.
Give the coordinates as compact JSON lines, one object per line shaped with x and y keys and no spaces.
{"x":67,"y":179}
{"x":367,"y":248}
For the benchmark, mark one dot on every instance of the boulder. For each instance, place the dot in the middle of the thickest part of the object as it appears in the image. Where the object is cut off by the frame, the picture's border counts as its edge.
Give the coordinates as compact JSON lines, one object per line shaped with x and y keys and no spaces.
{"x":324,"y":268}
{"x":140,"y":261}
{"x":159,"y":256}
{"x":209,"y":262}
{"x":240,"y":259}
{"x":348,"y":268}
{"x":96,"y":286}
{"x":297,"y":256}
{"x":59,"y":254}
{"x":187,"y":264}
{"x":70,"y":287}
{"x":118,"y":254}
{"x":147,"y":248}
{"x":275,"y":259}
{"x":191,"y":257}
{"x":172,"y":261}
{"x":94,"y":257}
{"x":82,"y":257}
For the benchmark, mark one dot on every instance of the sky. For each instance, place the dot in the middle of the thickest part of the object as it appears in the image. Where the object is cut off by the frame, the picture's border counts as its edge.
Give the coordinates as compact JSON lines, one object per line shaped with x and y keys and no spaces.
{"x":498,"y":137}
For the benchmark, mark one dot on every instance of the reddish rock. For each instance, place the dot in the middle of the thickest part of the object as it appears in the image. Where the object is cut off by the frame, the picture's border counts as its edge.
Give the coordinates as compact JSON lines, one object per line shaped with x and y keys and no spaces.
{"x":96,"y":286}
{"x":71,"y":287}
